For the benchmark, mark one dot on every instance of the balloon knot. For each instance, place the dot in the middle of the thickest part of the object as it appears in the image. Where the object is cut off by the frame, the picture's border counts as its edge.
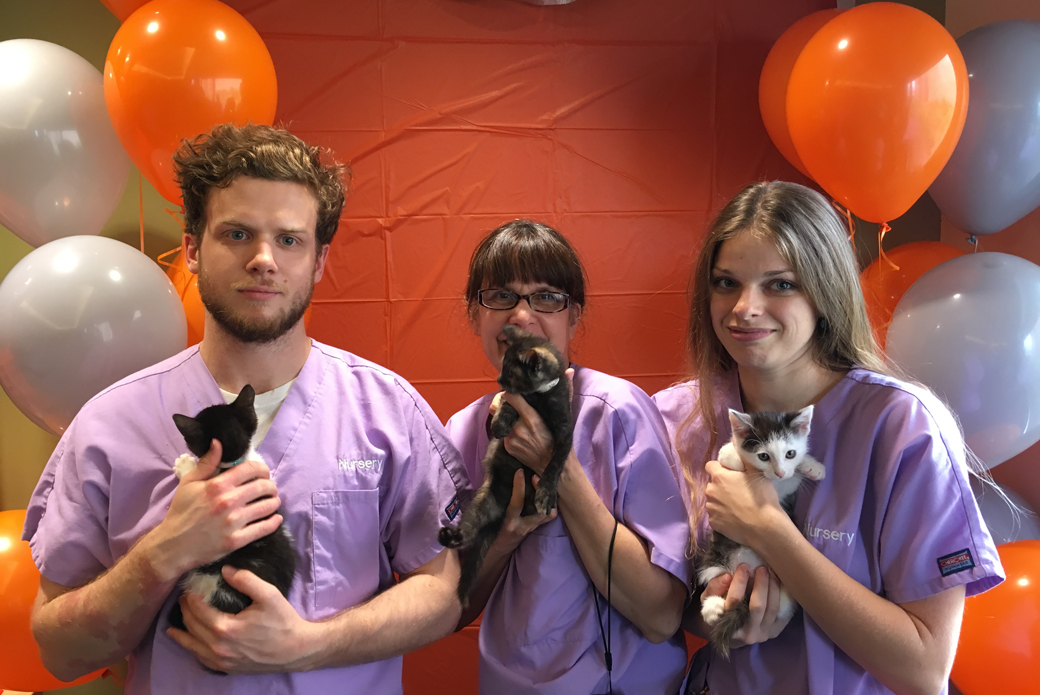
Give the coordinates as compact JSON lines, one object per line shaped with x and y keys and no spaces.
{"x":882,"y":231}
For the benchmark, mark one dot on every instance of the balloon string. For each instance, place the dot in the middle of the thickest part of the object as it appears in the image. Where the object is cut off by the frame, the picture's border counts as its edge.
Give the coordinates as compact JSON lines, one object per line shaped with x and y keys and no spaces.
{"x":881,"y":232}
{"x":848,"y":216}
{"x":160,"y":259}
{"x":140,"y":207}
{"x":173,"y":214}
{"x":118,"y":680}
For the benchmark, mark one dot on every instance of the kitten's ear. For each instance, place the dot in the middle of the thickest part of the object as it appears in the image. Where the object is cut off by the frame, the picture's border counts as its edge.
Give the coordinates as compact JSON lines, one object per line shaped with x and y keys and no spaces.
{"x":512,"y":333}
{"x":740,"y":423}
{"x":530,"y":357}
{"x":802,"y":420}
{"x":245,"y":397}
{"x":194,"y":434}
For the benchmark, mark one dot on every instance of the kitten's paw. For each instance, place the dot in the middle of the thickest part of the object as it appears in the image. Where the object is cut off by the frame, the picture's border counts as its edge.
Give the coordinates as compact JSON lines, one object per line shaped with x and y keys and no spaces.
{"x":544,"y":500}
{"x":450,"y":537}
{"x":712,"y":608}
{"x":184,"y":464}
{"x":813,"y":470}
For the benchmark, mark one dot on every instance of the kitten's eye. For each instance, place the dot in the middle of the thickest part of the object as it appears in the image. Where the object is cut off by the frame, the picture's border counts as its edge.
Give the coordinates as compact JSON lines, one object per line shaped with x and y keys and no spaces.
{"x":791,"y":454}
{"x":763,"y":457}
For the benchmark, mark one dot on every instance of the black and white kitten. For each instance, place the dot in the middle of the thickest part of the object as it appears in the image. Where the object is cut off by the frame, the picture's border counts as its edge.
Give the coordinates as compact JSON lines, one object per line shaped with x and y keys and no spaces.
{"x":532,"y":368}
{"x":272,"y":558}
{"x":775,"y":446}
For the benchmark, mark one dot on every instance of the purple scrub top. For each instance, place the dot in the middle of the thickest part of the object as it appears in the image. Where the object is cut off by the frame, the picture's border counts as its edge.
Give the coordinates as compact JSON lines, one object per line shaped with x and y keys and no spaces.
{"x":364,"y":473}
{"x":895,"y":513}
{"x":539,"y":632}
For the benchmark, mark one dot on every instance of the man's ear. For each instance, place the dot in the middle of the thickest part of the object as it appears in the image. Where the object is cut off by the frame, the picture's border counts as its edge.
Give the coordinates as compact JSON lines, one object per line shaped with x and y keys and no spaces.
{"x":190,"y":249}
{"x":319,"y":263}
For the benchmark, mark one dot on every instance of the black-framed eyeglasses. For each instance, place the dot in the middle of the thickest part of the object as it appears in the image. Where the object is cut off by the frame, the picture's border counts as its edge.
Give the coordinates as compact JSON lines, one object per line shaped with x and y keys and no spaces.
{"x":542,"y":302}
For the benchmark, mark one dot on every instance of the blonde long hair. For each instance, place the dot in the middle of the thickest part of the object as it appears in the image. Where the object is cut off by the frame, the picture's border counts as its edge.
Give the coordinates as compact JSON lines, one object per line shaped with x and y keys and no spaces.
{"x":809,"y":236}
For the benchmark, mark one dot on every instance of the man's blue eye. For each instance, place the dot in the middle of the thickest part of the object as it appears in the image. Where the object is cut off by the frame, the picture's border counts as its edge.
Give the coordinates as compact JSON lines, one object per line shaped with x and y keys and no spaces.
{"x":237,"y":235}
{"x":288,"y":241}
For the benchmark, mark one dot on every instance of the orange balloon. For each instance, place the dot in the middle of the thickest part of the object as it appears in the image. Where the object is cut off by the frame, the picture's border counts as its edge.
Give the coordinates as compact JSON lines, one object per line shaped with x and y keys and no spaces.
{"x":187,"y":284}
{"x":20,"y":665}
{"x":776,"y":73}
{"x":883,"y":285}
{"x":999,"y":649}
{"x":875,"y":105}
{"x":175,"y":69}
{"x":123,"y":8}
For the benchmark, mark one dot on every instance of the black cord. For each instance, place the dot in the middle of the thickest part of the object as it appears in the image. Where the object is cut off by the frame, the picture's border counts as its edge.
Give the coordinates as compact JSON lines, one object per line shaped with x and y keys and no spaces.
{"x":607,"y":656}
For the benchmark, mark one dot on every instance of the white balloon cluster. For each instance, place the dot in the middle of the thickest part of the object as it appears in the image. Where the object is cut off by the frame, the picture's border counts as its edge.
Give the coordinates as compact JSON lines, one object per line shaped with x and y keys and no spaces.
{"x":81,"y":311}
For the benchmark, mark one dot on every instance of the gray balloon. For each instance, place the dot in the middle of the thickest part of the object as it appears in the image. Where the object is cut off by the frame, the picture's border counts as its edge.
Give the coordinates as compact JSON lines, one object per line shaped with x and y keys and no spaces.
{"x":969,"y":329}
{"x":62,"y":168}
{"x":993,"y":177}
{"x":77,"y":315}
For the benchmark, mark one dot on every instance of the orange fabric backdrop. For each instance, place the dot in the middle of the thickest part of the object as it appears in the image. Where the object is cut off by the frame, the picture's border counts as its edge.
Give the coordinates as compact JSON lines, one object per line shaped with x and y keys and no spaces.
{"x":624,"y":124}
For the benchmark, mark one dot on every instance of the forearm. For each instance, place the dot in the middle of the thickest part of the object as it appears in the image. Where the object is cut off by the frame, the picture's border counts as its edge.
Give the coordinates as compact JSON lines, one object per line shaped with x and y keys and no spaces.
{"x":888,"y":641}
{"x":419,"y":610}
{"x":649,"y":596}
{"x":92,"y":626}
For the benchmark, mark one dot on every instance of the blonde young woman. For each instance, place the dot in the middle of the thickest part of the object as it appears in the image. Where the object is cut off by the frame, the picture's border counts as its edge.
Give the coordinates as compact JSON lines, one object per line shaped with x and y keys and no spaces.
{"x":882,"y":552}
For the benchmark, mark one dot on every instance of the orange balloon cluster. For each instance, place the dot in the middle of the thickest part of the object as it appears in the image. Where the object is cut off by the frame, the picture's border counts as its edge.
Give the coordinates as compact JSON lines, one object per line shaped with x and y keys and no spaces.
{"x":999,"y":649}
{"x":20,"y":665}
{"x":175,"y":69}
{"x":883,"y":286}
{"x":875,"y":99}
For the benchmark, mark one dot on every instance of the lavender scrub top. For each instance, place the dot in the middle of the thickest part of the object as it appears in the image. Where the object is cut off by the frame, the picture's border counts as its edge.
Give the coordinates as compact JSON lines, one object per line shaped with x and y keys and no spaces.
{"x":364,"y":473}
{"x":539,"y":631}
{"x":895,"y":513}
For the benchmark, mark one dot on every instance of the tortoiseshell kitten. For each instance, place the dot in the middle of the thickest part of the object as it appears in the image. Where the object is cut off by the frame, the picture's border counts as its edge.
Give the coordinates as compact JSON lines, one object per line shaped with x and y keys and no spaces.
{"x":532,"y":368}
{"x":272,"y":558}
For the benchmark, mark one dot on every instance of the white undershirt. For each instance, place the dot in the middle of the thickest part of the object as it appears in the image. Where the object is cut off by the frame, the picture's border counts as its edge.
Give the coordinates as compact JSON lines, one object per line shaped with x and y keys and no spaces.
{"x":266,"y":406}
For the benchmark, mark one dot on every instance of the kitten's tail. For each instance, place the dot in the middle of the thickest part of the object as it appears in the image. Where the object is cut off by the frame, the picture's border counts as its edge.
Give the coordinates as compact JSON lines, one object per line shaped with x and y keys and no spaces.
{"x":472,"y":562}
{"x":728,"y":623}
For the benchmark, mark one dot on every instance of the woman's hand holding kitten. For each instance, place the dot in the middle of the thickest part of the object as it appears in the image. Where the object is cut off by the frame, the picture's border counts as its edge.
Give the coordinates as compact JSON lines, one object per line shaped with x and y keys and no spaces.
{"x":741,"y":505}
{"x":530,"y":440}
{"x":515,"y":527}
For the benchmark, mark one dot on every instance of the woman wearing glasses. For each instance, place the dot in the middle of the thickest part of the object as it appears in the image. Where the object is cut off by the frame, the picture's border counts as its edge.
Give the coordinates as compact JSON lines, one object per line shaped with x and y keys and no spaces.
{"x":542,"y":584}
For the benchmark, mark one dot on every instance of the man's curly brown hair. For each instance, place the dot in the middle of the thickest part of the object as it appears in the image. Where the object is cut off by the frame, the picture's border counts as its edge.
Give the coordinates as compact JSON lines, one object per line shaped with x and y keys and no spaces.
{"x":216,"y":159}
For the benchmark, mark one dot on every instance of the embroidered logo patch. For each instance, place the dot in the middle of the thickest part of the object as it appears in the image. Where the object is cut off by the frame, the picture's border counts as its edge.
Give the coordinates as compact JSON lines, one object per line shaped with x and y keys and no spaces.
{"x":452,"y":510}
{"x":955,"y":562}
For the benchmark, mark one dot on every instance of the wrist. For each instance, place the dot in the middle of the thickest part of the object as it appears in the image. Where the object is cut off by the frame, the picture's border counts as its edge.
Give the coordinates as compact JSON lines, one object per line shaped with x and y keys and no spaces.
{"x":157,"y":556}
{"x":765,"y":536}
{"x":310,"y":645}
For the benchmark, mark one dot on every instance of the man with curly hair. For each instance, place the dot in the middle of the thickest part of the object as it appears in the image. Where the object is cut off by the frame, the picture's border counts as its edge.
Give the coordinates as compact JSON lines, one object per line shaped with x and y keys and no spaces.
{"x":358,"y":468}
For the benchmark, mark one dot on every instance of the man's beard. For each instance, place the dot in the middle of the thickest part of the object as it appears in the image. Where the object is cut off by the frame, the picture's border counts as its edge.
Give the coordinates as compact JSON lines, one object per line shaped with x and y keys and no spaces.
{"x":248,"y":331}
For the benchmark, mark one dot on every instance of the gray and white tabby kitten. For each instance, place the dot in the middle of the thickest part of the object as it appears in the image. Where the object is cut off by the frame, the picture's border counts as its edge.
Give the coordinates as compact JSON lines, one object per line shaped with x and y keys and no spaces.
{"x":773,"y":445}
{"x":532,"y":368}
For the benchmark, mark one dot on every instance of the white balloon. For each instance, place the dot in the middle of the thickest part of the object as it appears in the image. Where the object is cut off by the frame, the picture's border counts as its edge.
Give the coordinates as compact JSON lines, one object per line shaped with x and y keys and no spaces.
{"x":77,"y":315}
{"x":969,"y":329}
{"x":62,"y":168}
{"x":1005,"y":524}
